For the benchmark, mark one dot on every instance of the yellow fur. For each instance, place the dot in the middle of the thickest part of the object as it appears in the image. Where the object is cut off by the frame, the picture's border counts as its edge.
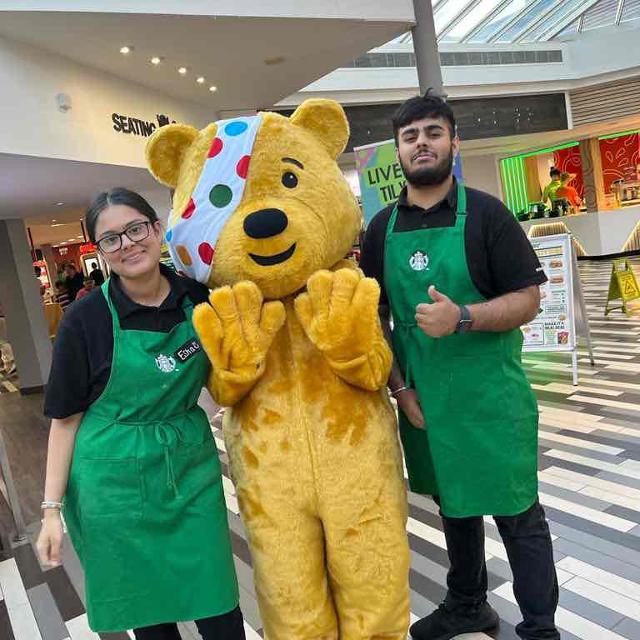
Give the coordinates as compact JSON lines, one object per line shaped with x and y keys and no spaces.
{"x":310,"y":432}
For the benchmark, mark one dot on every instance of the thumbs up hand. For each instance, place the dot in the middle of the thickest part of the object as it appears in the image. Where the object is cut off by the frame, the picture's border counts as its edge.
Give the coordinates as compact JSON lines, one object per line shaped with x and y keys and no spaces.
{"x":438,"y":318}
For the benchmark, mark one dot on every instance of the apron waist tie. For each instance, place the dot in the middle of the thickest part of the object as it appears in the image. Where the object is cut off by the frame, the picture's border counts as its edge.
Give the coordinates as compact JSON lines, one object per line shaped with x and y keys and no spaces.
{"x":166,"y":437}
{"x":408,"y":328}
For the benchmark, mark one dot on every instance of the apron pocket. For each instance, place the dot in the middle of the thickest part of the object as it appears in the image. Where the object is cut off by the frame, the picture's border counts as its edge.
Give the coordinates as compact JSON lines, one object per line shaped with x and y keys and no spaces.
{"x":198,"y":473}
{"x":109,"y":487}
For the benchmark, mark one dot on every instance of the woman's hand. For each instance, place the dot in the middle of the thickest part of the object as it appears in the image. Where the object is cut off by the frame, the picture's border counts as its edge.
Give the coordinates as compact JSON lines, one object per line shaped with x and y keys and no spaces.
{"x":49,"y":544}
{"x":408,"y":401}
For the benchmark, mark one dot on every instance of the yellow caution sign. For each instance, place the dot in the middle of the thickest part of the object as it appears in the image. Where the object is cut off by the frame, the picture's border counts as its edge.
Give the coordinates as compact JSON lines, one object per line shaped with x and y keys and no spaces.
{"x":622,"y":286}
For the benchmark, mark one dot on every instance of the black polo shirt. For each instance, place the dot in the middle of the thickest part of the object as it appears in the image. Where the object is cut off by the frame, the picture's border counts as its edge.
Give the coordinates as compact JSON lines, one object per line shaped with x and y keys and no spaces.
{"x":499,"y":255}
{"x":83,"y":349}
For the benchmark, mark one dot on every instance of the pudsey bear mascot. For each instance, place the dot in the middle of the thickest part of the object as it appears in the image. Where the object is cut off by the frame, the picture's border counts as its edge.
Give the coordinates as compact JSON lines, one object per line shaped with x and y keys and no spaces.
{"x":263,"y":216}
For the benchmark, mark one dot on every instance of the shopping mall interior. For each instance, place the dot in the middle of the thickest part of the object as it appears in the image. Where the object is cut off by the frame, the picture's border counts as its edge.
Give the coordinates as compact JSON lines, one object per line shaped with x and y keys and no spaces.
{"x":535,"y":85}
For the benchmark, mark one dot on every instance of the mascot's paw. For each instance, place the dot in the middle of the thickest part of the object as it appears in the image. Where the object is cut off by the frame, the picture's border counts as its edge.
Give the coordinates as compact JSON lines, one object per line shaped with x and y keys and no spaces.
{"x":237,"y":328}
{"x":339,"y":313}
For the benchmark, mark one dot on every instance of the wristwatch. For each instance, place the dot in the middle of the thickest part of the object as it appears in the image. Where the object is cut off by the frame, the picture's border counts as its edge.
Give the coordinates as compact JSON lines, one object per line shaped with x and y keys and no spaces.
{"x":465,"y":322}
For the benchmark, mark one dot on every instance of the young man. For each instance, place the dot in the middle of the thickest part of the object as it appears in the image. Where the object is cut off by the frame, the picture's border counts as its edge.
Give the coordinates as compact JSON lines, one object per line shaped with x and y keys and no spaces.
{"x":550,"y":190}
{"x":460,"y":278}
{"x":73,"y":281}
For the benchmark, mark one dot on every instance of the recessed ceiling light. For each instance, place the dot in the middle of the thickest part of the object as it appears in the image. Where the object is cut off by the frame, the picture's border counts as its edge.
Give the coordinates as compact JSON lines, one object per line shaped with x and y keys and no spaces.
{"x":59,"y":204}
{"x":200,"y":80}
{"x":156,"y":60}
{"x":213,"y":88}
{"x":53,"y":220}
{"x":126,"y":49}
{"x":182,"y":70}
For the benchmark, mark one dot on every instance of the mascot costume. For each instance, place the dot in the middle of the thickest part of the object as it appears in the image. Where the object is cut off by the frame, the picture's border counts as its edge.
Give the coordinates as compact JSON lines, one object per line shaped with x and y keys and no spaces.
{"x":263,"y":216}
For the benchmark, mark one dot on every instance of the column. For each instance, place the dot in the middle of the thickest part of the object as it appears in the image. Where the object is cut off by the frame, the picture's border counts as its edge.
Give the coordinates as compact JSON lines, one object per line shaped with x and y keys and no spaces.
{"x":47,"y":255}
{"x":20,"y":294}
{"x":594,"y":194}
{"x":425,"y":45}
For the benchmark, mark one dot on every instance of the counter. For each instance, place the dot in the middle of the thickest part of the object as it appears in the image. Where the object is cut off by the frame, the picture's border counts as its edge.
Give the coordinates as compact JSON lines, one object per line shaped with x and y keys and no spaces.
{"x":602,"y":233}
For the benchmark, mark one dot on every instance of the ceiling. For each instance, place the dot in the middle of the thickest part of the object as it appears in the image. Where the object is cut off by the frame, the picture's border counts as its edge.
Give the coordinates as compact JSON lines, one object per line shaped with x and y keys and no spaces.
{"x":253,"y":62}
{"x":32,"y":187}
{"x":512,"y":145}
{"x":514,"y":21}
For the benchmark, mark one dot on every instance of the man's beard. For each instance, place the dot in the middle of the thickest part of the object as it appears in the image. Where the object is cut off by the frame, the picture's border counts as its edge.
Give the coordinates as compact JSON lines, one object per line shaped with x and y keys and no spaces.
{"x":430,"y":176}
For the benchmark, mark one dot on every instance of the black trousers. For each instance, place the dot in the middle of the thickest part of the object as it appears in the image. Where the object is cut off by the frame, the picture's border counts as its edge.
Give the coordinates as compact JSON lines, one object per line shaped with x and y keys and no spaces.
{"x":228,"y":626}
{"x":530,"y":551}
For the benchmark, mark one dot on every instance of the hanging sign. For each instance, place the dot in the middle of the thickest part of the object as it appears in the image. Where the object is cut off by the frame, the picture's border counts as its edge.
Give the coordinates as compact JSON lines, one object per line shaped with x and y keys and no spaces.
{"x":87,"y":248}
{"x":622,"y":286}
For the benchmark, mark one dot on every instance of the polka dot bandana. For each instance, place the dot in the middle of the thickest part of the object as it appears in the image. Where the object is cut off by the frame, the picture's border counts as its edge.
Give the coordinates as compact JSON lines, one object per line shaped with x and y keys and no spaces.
{"x":192,"y":237}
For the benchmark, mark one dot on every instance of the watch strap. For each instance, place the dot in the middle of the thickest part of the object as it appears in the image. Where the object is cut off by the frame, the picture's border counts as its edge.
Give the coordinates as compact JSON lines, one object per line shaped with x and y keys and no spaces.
{"x":464,"y":324}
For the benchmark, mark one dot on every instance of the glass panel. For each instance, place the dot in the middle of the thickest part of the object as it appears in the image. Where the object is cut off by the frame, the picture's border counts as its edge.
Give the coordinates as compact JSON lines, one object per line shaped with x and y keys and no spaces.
{"x":498,"y":21}
{"x":528,"y":18}
{"x":566,"y":8}
{"x":447,"y":12}
{"x":600,"y":15}
{"x":474,"y":17}
{"x":570,"y":30}
{"x":631,"y":10}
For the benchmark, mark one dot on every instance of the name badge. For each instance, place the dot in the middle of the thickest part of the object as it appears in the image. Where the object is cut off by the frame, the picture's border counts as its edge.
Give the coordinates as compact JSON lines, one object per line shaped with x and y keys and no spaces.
{"x":188,"y":350}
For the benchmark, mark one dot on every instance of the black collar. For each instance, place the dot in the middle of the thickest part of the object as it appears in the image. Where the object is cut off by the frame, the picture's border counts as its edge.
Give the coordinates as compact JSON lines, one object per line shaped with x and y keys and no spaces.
{"x":125,"y":306}
{"x":450,"y":200}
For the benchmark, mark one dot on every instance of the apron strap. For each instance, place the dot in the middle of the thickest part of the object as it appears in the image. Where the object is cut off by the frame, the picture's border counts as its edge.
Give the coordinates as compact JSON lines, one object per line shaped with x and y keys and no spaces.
{"x":461,"y":197}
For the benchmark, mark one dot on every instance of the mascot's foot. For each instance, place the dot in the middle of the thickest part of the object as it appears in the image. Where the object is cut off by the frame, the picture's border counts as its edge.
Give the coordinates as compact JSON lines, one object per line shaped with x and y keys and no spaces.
{"x":445,"y":623}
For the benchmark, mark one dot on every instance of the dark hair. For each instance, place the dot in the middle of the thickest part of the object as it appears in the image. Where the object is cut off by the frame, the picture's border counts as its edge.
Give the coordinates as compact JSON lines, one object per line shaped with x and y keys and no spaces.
{"x":118,"y":195}
{"x":430,"y":105}
{"x":554,"y":172}
{"x":38,"y":271}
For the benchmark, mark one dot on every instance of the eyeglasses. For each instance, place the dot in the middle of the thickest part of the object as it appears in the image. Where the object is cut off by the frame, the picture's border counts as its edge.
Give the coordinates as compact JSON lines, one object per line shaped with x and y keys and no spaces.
{"x":136,"y":232}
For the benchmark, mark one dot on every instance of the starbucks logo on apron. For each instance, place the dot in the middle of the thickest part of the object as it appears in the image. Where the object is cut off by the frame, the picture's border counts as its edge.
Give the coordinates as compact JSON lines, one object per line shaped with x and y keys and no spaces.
{"x":419,"y":260}
{"x":166,"y":364}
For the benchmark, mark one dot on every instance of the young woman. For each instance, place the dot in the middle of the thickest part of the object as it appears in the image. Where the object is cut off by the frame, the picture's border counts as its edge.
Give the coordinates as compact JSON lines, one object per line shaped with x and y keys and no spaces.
{"x":131,"y":454}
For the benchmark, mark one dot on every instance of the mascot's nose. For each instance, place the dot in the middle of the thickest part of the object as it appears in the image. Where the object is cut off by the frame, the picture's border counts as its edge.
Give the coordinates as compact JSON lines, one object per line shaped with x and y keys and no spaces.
{"x":265,"y":223}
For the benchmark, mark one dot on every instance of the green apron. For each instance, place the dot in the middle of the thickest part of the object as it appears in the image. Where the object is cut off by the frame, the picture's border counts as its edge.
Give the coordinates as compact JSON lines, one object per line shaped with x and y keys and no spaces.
{"x":478,"y":452}
{"x":144,"y":504}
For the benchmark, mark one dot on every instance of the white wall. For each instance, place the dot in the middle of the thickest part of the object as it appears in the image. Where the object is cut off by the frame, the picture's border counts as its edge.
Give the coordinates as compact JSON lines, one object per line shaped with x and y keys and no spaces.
{"x":32,"y":125}
{"x":482,"y":172}
{"x":398,"y":10}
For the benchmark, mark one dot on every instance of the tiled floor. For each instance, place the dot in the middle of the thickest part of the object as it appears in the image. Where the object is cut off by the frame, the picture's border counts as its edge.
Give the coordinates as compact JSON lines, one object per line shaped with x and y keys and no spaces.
{"x":589,"y":485}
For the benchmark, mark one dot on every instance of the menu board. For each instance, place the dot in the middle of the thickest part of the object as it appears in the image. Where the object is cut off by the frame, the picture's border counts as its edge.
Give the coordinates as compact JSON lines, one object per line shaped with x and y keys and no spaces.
{"x":554,"y":328}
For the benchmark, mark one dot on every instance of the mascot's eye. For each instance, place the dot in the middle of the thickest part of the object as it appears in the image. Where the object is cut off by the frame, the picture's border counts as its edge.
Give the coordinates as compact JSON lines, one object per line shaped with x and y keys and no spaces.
{"x":290,"y":180}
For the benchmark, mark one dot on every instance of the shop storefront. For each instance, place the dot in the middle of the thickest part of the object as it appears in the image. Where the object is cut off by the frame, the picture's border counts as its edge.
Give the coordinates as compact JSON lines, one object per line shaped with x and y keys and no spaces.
{"x":594,"y":193}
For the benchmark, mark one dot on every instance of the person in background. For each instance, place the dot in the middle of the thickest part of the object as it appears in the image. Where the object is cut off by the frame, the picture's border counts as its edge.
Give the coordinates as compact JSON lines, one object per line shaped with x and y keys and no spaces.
{"x":549,"y":193}
{"x":137,"y":473}
{"x":460,"y":277}
{"x":96,"y":274}
{"x":38,"y":272}
{"x":568,"y":192}
{"x":62,"y":295}
{"x":73,"y":281}
{"x":6,"y":352}
{"x":86,"y":289}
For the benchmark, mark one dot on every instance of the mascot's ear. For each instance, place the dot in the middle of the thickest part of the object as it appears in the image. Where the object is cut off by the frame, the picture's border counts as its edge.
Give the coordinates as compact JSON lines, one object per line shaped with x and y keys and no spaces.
{"x":165,"y":150}
{"x":327,"y":121}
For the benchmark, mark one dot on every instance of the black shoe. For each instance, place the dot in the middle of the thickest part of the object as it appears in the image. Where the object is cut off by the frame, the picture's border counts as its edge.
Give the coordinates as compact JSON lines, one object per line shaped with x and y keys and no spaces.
{"x":445,"y":623}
